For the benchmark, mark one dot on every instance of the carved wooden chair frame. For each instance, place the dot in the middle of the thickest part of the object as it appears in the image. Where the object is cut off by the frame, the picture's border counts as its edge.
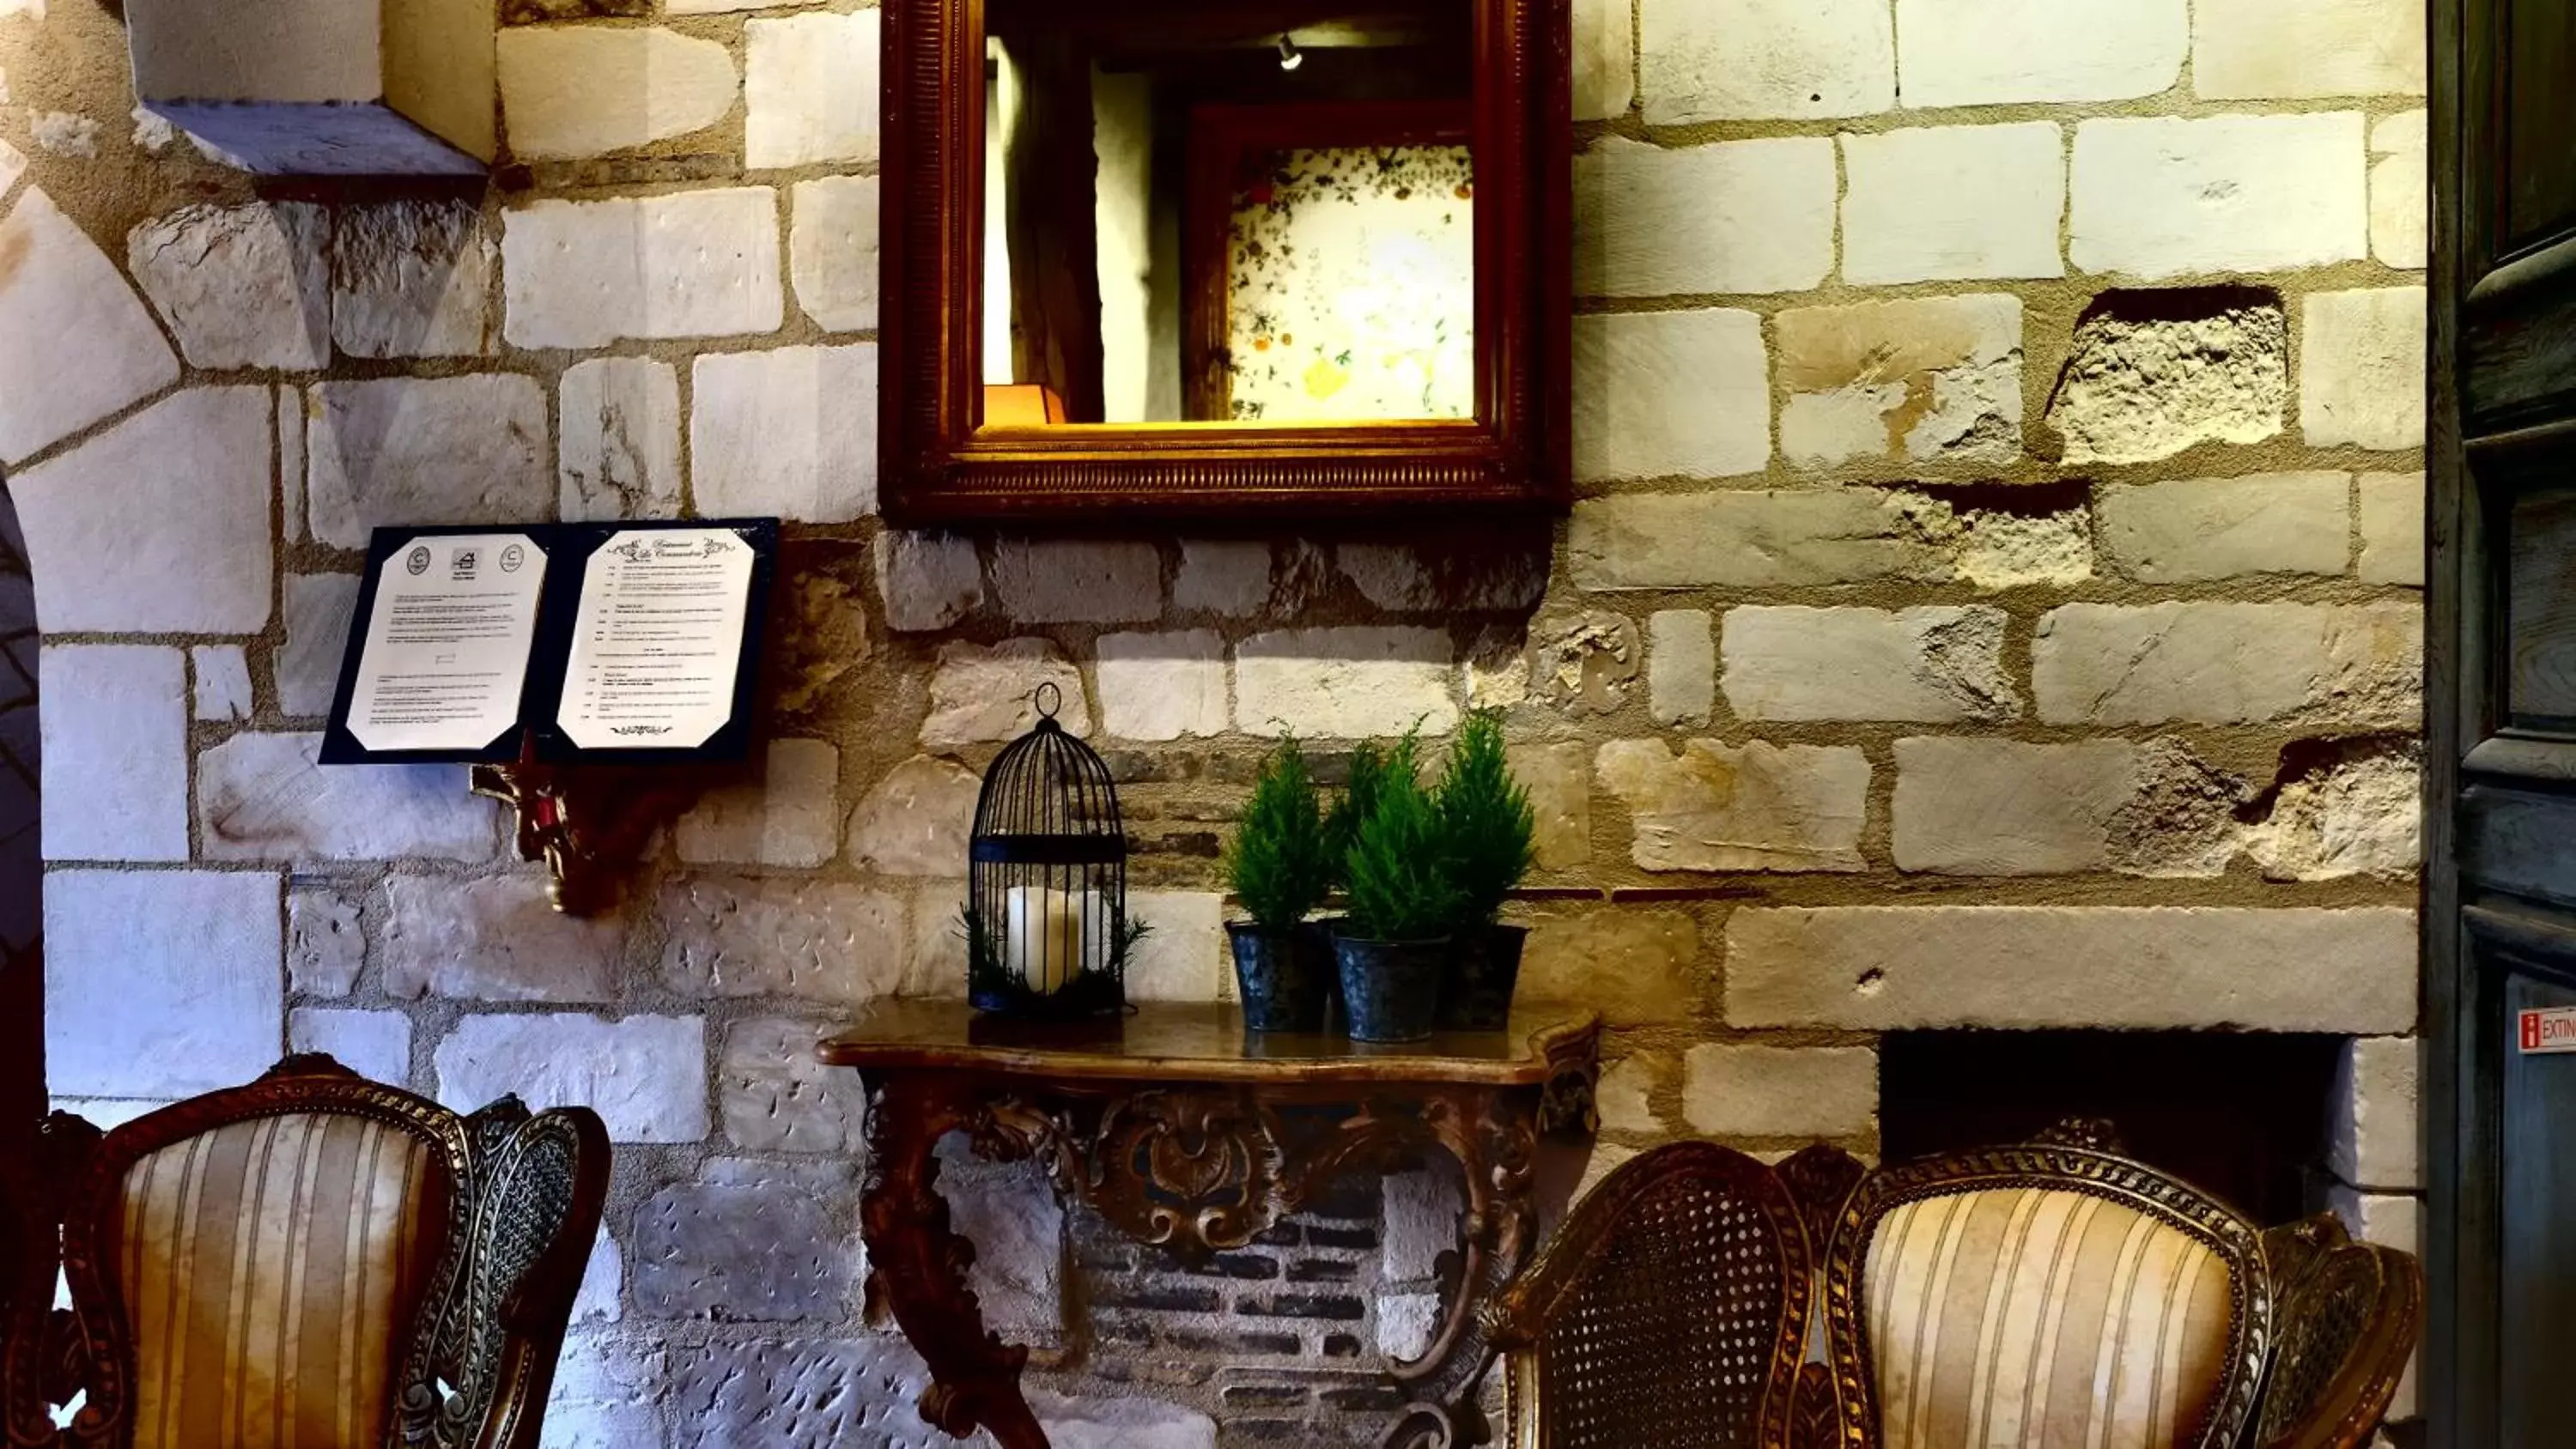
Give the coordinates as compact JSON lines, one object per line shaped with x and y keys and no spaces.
{"x":2348,"y":1318}
{"x":525,"y":1193}
{"x":2074,"y":1158}
{"x":1518,"y":1321}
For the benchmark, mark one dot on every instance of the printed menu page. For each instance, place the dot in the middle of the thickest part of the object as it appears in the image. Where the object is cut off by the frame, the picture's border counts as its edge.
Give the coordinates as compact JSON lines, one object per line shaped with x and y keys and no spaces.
{"x":657,"y":640}
{"x":447,"y":643}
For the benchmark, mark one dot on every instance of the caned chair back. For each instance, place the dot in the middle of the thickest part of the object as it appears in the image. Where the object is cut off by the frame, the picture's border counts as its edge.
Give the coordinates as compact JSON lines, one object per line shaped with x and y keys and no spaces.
{"x":2348,"y":1314}
{"x":2047,"y":1296}
{"x":317,"y":1259}
{"x":1668,"y":1310}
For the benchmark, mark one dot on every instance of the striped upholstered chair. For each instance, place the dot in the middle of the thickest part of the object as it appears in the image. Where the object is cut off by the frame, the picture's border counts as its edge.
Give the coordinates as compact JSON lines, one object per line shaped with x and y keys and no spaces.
{"x":316,"y":1260}
{"x":2050,"y":1295}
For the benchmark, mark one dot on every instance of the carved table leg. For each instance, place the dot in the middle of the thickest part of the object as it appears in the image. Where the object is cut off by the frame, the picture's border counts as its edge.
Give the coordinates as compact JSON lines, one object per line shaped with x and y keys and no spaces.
{"x":920,"y":1266}
{"x":1494,"y":1137}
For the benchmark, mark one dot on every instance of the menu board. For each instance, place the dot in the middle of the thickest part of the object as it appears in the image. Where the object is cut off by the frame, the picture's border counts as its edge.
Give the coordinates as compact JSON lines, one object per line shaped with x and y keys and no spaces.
{"x":636,"y":642}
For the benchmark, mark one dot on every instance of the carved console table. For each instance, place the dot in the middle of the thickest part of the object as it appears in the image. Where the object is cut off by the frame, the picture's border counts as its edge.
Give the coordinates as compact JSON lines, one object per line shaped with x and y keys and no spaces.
{"x":1183,"y":1130}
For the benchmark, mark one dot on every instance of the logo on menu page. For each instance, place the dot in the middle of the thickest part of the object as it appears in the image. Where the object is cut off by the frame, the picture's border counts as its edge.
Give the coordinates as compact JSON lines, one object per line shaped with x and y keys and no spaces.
{"x":512,"y":557}
{"x":417,"y":561}
{"x":464,"y":563}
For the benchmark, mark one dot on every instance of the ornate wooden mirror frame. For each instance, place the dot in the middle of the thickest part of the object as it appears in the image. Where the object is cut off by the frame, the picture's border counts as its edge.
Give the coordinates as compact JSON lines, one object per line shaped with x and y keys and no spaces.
{"x":938,"y":466}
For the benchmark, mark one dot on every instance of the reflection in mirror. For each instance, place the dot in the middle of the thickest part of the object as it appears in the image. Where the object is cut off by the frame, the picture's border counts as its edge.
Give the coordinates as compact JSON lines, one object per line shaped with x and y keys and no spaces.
{"x":1257,"y":213}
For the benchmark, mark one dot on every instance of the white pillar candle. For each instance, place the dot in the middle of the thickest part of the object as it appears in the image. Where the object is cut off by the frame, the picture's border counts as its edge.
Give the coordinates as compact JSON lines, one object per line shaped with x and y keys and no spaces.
{"x":1042,"y":935}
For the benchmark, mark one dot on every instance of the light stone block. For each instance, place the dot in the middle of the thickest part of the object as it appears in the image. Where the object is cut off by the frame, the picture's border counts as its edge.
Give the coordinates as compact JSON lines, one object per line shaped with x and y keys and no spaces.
{"x":1077,"y":581}
{"x":115,"y":756}
{"x":791,"y":816}
{"x":1760,"y":806}
{"x":290,"y":461}
{"x":1633,"y":966}
{"x":1747,"y":1089}
{"x":619,"y":456}
{"x":1894,"y":968}
{"x":1163,"y":686}
{"x":585,"y":90}
{"x":1183,"y":957}
{"x":2230,"y":663}
{"x":496,"y":938}
{"x":13,"y":162}
{"x":827,"y":941}
{"x":2401,"y":205}
{"x":689,"y":264}
{"x":2166,"y":196}
{"x":1945,"y":203}
{"x":326,"y":941}
{"x":1925,"y":665}
{"x":812,"y":89}
{"x":1928,"y":378}
{"x":244,"y":286}
{"x":2198,"y":529}
{"x":1626,"y":1092}
{"x":2002,"y":807}
{"x":1748,"y":540}
{"x":320,"y":610}
{"x":413,"y":279}
{"x":1605,"y":60}
{"x":2003,"y":52}
{"x":2361,"y":814}
{"x":2361,"y":368}
{"x":1354,"y":682}
{"x":1746,"y":60}
{"x":161,"y":983}
{"x":600,"y":1300}
{"x":221,"y":675}
{"x":832,"y":251}
{"x":1226,"y":576}
{"x":1738,"y":216}
{"x":2375,"y":1123}
{"x":927,"y":580}
{"x":1558,"y":778}
{"x":779,"y":1097}
{"x":263,"y":797}
{"x":409,"y":450}
{"x":1671,"y":394}
{"x":915,"y":821}
{"x":790,"y":432}
{"x":2141,"y":385}
{"x":374,"y":1044}
{"x":2392,"y":528}
{"x":76,"y":344}
{"x":607,"y":1395}
{"x":646,"y":1076}
{"x":2297,"y":49}
{"x":200,"y":456}
{"x":1681,"y":666}
{"x":1440,"y":578}
{"x":979,"y":694}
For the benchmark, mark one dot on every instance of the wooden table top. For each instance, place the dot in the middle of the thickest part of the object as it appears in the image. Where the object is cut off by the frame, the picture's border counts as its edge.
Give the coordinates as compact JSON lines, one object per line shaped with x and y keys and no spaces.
{"x":1201,"y":1042}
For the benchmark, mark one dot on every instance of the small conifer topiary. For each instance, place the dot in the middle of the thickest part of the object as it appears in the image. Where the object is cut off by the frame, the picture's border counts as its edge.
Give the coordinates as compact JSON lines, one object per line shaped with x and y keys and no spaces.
{"x":1281,"y":864}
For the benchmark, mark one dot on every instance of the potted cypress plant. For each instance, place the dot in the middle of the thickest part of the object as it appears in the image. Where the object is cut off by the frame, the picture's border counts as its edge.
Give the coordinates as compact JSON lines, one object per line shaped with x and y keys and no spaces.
{"x":1403,"y":900}
{"x":1486,"y":820}
{"x":1281,"y":867}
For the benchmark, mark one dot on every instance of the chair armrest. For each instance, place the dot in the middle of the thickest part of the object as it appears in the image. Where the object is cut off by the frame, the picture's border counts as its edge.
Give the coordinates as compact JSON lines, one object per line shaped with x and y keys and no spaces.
{"x":540,"y":1184}
{"x":2348,"y":1315}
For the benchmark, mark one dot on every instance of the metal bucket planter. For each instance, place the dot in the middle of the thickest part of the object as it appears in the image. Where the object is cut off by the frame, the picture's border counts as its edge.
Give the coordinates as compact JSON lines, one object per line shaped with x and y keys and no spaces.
{"x":1283,"y":976}
{"x":1484,"y":967}
{"x":1391,"y":989}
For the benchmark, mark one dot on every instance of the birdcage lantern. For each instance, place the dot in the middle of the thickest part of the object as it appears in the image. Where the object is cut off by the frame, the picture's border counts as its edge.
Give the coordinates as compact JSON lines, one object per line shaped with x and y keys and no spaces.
{"x":1047,"y":931}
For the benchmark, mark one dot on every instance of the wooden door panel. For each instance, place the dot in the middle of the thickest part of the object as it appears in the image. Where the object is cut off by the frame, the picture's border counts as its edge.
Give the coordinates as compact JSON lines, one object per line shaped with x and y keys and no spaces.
{"x":2539,"y":151}
{"x":2536,"y":1259}
{"x":2517,"y":840}
{"x":2518,"y":341}
{"x":2540,"y":613}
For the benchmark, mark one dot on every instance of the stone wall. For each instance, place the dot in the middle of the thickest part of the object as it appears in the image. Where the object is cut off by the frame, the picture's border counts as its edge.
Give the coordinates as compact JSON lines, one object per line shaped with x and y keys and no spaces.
{"x":1992,"y":601}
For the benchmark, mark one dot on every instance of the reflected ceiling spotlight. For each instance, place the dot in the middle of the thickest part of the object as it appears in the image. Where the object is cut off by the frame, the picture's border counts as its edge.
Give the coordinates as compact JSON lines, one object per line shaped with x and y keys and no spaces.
{"x":1289,"y":56}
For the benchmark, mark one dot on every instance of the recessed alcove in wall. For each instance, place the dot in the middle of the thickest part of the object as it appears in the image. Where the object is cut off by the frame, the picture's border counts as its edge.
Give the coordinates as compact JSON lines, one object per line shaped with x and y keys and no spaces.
{"x":2241,"y":1115}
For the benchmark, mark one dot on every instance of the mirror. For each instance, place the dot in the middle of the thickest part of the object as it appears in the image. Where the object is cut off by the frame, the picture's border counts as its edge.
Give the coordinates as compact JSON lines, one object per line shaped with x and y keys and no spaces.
{"x":1199,"y":214}
{"x":1224,"y":256}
